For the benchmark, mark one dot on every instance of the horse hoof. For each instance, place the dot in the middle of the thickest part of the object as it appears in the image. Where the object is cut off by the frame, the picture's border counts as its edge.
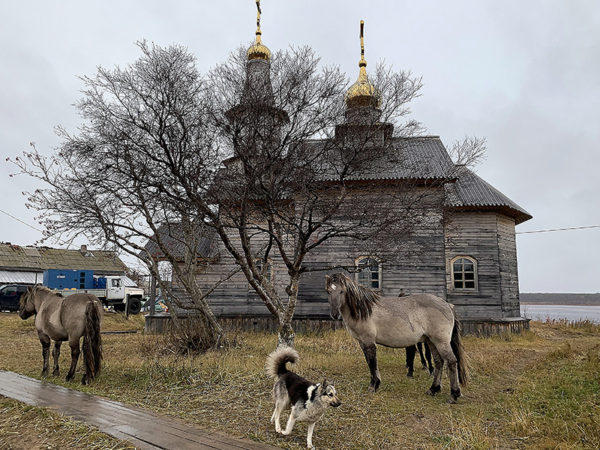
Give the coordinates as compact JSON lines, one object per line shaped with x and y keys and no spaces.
{"x":455,"y":394}
{"x":434,"y":390}
{"x":373,"y":389}
{"x":44,"y":373}
{"x":56,"y":373}
{"x":409,"y":375}
{"x":69,"y":378}
{"x":453,"y":400}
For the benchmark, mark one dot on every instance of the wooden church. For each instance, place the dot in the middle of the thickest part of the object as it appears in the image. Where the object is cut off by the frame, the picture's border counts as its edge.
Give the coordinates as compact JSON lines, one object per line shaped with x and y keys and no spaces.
{"x":465,"y":252}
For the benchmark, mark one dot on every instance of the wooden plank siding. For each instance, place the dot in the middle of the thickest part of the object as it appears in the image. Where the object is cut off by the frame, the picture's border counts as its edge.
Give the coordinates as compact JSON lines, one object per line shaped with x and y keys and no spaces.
{"x":417,"y":267}
{"x":421,"y":264}
{"x":489,"y":238}
{"x":509,"y":278}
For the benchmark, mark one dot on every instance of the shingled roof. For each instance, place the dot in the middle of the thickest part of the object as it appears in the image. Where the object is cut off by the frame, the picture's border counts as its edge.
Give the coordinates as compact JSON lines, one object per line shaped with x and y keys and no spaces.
{"x":472,"y":192}
{"x":16,"y":257}
{"x":171,"y":235}
{"x":414,"y":158}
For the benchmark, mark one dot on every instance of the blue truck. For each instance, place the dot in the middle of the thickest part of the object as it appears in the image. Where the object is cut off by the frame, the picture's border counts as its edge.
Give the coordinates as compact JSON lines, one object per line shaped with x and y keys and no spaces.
{"x":110,"y":289}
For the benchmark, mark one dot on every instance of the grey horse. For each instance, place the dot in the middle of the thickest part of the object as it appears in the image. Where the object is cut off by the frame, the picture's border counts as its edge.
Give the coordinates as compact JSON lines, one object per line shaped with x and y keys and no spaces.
{"x":66,"y":319}
{"x":400,"y":322}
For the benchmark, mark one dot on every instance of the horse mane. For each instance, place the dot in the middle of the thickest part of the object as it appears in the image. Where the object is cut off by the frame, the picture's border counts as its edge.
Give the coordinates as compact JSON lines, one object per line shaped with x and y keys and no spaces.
{"x":359,"y":299}
{"x":40,"y":288}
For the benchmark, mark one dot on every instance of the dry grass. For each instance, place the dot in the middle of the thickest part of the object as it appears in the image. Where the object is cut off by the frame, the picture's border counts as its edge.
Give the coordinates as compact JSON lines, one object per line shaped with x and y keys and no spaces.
{"x":26,"y":427}
{"x":536,"y":390}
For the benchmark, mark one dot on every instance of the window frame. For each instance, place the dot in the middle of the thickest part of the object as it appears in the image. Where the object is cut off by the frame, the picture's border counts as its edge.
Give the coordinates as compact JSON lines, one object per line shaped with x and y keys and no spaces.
{"x":379,"y":270}
{"x":453,"y":280}
{"x":270,"y":271}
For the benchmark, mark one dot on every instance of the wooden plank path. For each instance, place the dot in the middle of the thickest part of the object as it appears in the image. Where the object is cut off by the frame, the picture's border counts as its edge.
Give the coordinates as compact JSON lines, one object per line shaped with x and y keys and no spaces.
{"x":143,"y":429}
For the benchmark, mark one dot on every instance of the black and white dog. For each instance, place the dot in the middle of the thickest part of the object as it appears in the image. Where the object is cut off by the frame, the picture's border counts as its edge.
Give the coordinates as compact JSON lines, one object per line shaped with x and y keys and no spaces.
{"x":308,"y":400}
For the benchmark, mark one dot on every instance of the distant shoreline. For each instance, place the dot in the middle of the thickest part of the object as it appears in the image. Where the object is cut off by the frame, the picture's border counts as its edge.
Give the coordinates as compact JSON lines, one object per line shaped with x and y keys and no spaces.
{"x":566,"y":299}
{"x":558,"y":303}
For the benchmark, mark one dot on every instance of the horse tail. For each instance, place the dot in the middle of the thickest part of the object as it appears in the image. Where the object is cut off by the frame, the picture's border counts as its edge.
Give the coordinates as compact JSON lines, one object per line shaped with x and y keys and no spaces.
{"x":92,"y":342}
{"x":276,"y":361}
{"x":459,"y":351}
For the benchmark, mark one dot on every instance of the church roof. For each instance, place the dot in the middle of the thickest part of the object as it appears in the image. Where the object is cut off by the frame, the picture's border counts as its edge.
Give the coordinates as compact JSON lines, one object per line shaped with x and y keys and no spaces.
{"x":426,"y":158}
{"x":471,"y":191}
{"x":172,"y":237}
{"x":418,"y":158}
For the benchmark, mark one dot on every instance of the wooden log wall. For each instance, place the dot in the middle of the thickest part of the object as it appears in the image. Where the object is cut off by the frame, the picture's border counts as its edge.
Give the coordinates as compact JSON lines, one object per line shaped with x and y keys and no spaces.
{"x":304,"y":325}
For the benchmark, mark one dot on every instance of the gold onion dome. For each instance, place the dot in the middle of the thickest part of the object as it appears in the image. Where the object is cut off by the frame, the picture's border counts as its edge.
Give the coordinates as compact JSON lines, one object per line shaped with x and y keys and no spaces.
{"x":362,"y":92}
{"x":258,"y":50}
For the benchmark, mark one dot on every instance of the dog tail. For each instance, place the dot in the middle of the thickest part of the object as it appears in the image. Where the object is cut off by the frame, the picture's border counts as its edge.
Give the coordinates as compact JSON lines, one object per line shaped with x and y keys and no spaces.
{"x":277,"y":360}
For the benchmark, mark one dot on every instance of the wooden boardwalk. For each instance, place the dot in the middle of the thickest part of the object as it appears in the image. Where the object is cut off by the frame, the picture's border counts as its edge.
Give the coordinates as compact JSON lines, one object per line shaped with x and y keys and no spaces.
{"x":143,"y":429}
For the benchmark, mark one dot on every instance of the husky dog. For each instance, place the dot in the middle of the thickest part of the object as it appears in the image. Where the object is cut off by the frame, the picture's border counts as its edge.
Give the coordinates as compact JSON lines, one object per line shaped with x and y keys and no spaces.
{"x":308,"y":400}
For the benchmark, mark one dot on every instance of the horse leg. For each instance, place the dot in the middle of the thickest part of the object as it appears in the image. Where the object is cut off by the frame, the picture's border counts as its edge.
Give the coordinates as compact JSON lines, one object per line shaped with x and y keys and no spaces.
{"x":428,"y":357}
{"x":420,"y":348}
{"x":370,"y":351}
{"x":410,"y":360}
{"x":56,"y":355}
{"x":74,"y":344}
{"x":436,"y":386}
{"x":45,"y":341}
{"x":445,"y":350}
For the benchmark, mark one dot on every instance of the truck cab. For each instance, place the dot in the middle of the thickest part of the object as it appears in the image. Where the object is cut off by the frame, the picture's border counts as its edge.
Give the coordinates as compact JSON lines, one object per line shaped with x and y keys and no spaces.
{"x":10,"y":294}
{"x":118,"y":295}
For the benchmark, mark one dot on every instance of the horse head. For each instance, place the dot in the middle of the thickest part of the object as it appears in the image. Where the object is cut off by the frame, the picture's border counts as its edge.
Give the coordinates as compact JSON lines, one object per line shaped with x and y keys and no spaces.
{"x":335,"y":290}
{"x":27,"y":304}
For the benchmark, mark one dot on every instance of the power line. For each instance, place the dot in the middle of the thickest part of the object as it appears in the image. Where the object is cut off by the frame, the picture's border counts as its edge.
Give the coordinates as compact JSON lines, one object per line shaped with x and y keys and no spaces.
{"x":32,"y":227}
{"x":19,"y":220}
{"x":559,"y":229}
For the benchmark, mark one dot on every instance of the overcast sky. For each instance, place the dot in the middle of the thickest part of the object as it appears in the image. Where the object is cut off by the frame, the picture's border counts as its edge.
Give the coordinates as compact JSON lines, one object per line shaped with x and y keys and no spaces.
{"x":523,"y":74}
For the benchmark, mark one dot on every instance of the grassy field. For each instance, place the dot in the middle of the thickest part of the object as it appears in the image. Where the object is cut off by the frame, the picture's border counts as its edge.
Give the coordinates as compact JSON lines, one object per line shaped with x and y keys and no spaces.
{"x":26,"y":427}
{"x":537,"y":390}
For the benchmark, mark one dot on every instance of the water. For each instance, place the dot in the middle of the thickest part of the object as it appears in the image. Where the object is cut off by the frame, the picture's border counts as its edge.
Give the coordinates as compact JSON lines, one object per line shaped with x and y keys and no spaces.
{"x":569,"y":312}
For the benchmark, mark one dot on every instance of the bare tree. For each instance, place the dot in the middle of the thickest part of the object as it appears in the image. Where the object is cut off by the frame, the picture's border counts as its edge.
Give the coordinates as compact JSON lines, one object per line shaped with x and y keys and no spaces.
{"x":273,"y":155}
{"x":131,"y":169}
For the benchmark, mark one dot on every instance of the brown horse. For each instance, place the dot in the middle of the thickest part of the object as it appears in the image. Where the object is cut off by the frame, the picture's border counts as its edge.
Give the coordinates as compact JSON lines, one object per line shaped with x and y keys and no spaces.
{"x":400,"y":322}
{"x":66,"y":318}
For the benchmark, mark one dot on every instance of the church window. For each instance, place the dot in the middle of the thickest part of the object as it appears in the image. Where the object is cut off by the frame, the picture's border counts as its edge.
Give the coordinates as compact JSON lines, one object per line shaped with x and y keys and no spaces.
{"x":464,"y":273}
{"x":368,"y":272}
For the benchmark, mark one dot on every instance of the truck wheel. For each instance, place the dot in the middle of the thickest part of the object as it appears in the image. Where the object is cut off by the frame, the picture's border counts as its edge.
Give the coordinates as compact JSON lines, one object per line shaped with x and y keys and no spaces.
{"x":135,"y":305}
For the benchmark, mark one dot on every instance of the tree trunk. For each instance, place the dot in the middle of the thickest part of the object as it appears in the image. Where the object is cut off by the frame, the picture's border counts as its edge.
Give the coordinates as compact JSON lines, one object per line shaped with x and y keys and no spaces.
{"x":285,"y":334}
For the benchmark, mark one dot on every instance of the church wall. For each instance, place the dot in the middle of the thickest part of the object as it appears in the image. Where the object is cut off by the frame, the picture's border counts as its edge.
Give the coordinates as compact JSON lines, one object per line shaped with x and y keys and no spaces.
{"x":415,"y":265}
{"x":509,"y":278}
{"x":475,"y":234}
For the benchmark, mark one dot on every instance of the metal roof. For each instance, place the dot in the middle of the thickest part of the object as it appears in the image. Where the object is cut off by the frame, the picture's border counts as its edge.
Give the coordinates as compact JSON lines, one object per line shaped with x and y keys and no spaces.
{"x":16,"y":257}
{"x":172,"y":237}
{"x":471,"y":191}
{"x":420,"y":158}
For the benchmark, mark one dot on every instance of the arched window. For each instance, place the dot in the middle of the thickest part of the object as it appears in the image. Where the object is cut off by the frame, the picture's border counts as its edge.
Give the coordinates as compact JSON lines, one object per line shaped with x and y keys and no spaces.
{"x":368,"y":271}
{"x":464,"y":273}
{"x":268,"y":271}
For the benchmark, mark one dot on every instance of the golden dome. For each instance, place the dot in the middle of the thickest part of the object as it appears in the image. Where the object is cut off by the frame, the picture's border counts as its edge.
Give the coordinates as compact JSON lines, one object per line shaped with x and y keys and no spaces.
{"x":258,"y":50}
{"x":362,"y":92}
